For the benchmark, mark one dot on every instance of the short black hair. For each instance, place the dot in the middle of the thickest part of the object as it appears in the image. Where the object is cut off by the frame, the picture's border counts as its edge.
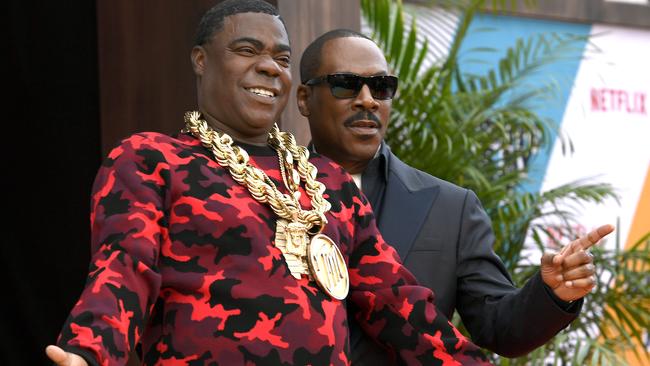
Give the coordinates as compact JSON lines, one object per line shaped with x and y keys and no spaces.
{"x":310,"y":60}
{"x":212,"y":20}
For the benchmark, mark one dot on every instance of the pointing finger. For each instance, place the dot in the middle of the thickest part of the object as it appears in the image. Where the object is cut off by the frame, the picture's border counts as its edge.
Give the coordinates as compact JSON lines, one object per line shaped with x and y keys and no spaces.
{"x":594,"y":236}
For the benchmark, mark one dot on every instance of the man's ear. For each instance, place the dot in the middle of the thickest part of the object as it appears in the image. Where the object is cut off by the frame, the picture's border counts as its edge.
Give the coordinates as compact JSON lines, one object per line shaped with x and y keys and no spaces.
{"x":199,"y":57}
{"x":303,"y":94}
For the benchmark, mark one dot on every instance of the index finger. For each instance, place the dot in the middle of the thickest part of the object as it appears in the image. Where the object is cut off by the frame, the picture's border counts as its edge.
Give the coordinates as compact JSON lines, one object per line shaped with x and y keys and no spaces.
{"x":594,"y":236}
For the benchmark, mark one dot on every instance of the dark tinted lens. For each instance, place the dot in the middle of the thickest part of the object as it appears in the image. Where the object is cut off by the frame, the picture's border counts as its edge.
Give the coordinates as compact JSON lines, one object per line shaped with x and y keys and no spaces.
{"x":344,"y":86}
{"x":382,"y":87}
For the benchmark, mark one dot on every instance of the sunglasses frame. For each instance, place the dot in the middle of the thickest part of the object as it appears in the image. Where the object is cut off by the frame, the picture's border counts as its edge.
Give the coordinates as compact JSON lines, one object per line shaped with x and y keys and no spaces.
{"x":361,"y":81}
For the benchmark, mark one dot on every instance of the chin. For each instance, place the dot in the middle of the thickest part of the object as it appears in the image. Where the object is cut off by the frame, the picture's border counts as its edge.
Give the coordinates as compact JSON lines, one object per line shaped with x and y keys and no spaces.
{"x":265,"y":121}
{"x":365,"y":154}
{"x":372,"y":145}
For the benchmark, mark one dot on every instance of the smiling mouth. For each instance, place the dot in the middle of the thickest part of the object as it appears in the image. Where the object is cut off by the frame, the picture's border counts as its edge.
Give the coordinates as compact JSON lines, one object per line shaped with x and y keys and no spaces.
{"x":261,"y":92}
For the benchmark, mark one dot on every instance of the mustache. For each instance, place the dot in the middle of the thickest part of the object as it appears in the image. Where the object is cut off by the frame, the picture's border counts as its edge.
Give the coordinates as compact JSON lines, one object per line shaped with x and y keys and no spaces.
{"x":362,"y":116}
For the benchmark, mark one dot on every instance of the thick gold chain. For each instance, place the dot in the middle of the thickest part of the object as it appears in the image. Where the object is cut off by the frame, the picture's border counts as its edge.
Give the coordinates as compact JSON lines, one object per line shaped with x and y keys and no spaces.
{"x":260,"y":186}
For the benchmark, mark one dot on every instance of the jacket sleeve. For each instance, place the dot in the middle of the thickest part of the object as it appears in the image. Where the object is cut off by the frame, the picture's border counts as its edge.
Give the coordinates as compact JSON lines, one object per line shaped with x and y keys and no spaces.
{"x":393,"y":309}
{"x":127,"y":229}
{"x":500,"y":317}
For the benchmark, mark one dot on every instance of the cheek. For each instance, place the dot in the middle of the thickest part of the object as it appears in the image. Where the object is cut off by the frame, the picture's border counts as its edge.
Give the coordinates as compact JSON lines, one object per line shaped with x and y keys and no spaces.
{"x":284,"y":99}
{"x":344,"y":133}
{"x":286,"y":80}
{"x":384,"y":116}
{"x":328,"y":132}
{"x":215,"y":83}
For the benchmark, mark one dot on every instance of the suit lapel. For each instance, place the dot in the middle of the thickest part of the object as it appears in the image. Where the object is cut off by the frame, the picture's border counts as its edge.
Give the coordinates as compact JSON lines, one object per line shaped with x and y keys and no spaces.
{"x":407,"y":201}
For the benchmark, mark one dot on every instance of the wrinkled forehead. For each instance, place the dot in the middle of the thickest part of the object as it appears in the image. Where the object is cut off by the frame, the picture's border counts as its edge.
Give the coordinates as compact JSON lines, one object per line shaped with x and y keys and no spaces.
{"x":263,"y":27}
{"x":352,"y":54}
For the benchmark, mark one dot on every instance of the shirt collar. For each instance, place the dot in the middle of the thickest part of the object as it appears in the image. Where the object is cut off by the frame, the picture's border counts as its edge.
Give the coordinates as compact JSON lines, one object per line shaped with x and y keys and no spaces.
{"x":380,"y":162}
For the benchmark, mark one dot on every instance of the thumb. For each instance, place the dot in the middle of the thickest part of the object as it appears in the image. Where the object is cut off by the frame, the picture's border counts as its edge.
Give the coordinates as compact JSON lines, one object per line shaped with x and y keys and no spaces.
{"x":63,"y":358}
{"x":57,"y":355}
{"x":550,"y":259}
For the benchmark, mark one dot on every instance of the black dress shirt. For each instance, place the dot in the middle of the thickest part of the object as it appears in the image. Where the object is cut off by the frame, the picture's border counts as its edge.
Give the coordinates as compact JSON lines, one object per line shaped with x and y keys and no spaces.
{"x":374,"y":178}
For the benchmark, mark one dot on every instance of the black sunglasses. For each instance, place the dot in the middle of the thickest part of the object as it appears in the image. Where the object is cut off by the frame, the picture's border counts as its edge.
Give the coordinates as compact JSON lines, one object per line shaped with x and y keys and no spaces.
{"x":345,"y":86}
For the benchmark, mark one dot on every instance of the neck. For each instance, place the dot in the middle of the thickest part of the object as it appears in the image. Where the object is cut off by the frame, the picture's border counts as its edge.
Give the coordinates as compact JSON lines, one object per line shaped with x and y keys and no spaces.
{"x":258,"y":139}
{"x":355,"y":167}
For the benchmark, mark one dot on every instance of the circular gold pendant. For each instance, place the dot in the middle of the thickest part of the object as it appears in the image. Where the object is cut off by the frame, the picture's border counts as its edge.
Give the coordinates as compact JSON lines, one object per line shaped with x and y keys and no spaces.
{"x":328,"y":267}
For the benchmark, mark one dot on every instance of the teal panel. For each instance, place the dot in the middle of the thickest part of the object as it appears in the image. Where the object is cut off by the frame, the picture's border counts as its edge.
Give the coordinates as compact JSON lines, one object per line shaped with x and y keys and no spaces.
{"x":500,"y":33}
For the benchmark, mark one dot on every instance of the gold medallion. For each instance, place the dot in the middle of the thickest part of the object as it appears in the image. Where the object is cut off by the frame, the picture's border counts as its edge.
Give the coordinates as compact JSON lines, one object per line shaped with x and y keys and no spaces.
{"x":291,"y":238}
{"x":328,"y":267}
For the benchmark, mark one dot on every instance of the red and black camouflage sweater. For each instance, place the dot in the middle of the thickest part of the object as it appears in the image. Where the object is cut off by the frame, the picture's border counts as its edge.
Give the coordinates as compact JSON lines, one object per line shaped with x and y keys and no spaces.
{"x":183,"y":262}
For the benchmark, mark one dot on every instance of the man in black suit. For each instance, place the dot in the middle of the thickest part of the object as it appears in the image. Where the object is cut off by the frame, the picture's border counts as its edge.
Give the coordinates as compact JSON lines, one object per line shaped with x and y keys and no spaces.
{"x":439,"y":229}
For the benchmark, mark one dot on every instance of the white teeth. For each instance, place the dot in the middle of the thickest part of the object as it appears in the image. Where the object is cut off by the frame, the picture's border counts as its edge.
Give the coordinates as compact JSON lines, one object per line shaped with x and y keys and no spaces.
{"x":262,"y":92}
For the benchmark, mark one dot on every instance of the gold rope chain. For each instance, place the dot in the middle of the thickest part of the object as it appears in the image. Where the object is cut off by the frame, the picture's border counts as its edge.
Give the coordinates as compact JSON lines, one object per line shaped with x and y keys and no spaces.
{"x":236,"y":160}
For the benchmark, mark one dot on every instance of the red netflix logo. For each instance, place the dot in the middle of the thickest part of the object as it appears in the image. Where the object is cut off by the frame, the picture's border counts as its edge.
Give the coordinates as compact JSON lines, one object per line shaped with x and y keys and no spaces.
{"x":618,"y":100}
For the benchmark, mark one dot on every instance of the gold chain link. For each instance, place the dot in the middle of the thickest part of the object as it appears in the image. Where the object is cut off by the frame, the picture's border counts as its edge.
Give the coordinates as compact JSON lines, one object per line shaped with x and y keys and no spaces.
{"x":236,"y":160}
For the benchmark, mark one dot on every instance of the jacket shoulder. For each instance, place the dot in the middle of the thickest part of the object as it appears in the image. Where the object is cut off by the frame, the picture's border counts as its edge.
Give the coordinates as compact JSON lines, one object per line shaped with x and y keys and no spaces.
{"x":418,"y":179}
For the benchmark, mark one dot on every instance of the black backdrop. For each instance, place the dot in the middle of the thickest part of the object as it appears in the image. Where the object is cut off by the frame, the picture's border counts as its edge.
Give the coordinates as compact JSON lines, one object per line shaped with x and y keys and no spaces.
{"x":50,"y":154}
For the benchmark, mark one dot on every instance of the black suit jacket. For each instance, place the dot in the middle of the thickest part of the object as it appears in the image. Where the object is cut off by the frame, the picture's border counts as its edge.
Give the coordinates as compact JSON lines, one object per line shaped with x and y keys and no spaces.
{"x":445,"y":239}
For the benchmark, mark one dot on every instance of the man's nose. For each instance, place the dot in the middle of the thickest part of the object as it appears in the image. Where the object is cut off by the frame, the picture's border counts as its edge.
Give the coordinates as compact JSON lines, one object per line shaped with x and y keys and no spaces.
{"x":365,"y":101}
{"x":266,"y":65}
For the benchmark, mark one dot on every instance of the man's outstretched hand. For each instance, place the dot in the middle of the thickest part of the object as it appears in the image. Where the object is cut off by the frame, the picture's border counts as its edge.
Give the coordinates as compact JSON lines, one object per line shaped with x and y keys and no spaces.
{"x":63,"y":358}
{"x":571,"y":273}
